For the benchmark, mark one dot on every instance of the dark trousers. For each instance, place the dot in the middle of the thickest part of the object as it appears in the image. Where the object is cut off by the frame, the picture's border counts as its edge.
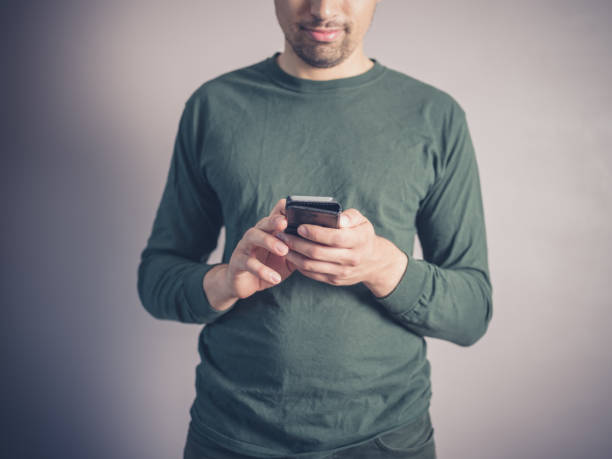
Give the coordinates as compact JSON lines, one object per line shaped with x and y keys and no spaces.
{"x":413,"y":441}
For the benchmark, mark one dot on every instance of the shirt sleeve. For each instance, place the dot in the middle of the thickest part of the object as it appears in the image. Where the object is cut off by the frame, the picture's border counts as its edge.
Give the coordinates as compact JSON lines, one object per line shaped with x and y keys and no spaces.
{"x":185,"y":232}
{"x":448,"y":294}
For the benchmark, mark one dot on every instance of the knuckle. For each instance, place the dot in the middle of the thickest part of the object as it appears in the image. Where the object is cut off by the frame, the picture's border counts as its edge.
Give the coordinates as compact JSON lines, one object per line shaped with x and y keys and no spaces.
{"x":272,"y":243}
{"x":271,"y":240}
{"x":276,"y":219}
{"x":335,"y":280}
{"x":248,"y":264}
{"x":307,"y":265}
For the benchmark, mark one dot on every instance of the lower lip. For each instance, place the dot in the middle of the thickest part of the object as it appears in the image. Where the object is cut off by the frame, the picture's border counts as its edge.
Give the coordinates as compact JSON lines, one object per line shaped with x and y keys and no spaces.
{"x":324,"y":36}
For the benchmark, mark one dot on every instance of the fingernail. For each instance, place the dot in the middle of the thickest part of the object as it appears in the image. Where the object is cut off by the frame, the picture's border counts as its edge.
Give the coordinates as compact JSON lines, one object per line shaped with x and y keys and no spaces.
{"x":275,"y":277}
{"x":303,"y":231}
{"x":344,"y":221}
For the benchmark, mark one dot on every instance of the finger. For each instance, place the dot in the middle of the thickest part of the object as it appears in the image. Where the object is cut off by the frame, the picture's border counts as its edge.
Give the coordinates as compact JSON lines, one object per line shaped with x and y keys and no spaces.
{"x":314,"y":265}
{"x":345,"y":236}
{"x":272,"y":223}
{"x":279,"y":207}
{"x":351,"y":217}
{"x":315,"y":276}
{"x":315,"y":251}
{"x":259,"y":269}
{"x":256,"y":237}
{"x":276,"y":221}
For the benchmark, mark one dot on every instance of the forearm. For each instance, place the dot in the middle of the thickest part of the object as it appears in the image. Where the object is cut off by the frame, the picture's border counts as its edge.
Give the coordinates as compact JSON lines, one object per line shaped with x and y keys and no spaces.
{"x":171,"y":287}
{"x":455,"y":305}
{"x":450,"y":304}
{"x":215,"y":287}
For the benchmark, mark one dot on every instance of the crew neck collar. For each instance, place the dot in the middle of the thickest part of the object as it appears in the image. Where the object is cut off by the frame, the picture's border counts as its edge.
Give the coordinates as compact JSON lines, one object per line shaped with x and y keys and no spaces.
{"x":321,"y":86}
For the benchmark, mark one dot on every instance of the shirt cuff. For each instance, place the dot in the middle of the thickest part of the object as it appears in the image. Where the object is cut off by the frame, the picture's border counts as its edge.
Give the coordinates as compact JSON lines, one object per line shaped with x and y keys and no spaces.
{"x":197,"y":300}
{"x":406,"y":293}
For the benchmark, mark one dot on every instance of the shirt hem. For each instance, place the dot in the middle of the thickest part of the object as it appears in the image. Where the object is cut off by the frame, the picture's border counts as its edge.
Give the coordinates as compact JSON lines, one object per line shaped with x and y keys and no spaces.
{"x":199,"y":431}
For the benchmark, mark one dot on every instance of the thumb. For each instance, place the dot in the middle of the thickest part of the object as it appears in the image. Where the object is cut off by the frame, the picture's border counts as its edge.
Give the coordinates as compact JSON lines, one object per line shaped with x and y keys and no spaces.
{"x":351,"y":217}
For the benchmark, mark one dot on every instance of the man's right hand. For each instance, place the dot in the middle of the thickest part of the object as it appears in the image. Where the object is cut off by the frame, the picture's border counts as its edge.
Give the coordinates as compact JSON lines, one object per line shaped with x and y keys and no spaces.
{"x":259,"y":255}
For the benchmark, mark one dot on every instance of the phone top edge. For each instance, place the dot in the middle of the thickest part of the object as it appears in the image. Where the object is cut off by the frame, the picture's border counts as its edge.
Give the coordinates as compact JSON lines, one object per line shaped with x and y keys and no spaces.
{"x":295,"y":197}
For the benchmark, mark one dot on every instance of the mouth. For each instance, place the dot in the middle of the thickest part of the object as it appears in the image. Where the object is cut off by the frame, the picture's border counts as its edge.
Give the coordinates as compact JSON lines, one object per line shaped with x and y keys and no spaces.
{"x":323,"y":35}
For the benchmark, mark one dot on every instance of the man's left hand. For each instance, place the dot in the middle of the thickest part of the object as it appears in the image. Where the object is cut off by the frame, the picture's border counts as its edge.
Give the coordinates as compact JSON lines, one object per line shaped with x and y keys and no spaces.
{"x":347,"y":255}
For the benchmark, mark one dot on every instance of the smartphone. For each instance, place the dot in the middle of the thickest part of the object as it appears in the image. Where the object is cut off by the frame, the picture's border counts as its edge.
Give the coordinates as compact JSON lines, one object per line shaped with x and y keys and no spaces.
{"x":315,"y":210}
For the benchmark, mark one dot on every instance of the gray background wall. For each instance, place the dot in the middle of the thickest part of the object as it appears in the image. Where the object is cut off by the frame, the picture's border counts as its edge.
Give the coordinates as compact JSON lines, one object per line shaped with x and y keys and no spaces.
{"x":92,"y":96}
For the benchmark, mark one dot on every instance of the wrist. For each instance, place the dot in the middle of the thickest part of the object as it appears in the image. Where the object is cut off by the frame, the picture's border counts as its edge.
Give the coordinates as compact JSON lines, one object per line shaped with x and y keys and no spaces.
{"x":216,"y":288}
{"x":387,"y":275}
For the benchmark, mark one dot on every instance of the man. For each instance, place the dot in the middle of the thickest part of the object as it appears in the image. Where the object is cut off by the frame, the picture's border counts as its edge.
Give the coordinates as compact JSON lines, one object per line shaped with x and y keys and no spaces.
{"x":328,"y":360}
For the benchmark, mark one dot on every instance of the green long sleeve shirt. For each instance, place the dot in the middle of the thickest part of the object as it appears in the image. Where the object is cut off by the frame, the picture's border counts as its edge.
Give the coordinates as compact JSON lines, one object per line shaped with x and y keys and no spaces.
{"x":305,"y":366}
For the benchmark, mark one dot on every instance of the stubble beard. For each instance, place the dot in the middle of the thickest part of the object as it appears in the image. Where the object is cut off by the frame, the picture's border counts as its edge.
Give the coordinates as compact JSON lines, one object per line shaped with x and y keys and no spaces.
{"x":318,"y":54}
